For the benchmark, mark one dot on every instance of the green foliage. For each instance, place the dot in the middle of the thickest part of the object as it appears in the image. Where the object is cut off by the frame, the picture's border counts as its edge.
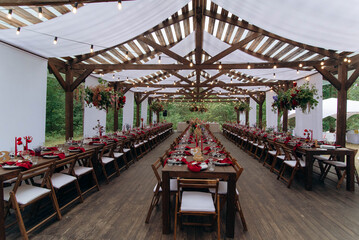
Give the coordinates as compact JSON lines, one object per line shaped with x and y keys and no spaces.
{"x":241,"y":106}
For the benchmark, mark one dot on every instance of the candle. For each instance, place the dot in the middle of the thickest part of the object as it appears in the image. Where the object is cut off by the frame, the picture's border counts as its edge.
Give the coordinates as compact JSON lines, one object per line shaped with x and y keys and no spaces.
{"x":15,"y":147}
{"x":26,"y":140}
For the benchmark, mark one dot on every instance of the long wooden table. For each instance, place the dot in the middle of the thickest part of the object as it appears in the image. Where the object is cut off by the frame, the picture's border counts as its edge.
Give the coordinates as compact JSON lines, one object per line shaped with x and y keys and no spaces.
{"x":6,"y":174}
{"x":340,"y":152}
{"x":226,"y":173}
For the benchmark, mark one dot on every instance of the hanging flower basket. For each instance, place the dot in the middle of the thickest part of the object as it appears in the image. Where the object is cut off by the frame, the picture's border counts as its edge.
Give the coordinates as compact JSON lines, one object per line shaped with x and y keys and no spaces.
{"x":241,"y":106}
{"x":193,"y":108}
{"x":118,"y":100}
{"x":303,"y":97}
{"x":156,"y":107}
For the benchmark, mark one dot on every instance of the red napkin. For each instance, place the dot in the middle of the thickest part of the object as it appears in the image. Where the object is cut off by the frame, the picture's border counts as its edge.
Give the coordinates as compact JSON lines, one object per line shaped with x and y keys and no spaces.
{"x":113,"y":139}
{"x":24,"y":164}
{"x":222,"y":152}
{"x":187,"y":147}
{"x":184,"y":161}
{"x":77,"y":148}
{"x":172,"y":152}
{"x":91,"y":143}
{"x":187,"y":153}
{"x":134,"y":135}
{"x":61,"y":155}
{"x":207,"y":152}
{"x":207,"y":148}
{"x":52,"y":149}
{"x":194,"y":167}
{"x":226,"y":160}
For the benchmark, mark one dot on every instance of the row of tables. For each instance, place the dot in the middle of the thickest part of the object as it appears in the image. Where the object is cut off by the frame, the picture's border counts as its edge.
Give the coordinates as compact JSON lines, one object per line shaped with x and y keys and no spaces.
{"x":308,"y":152}
{"x":128,"y":136}
{"x":226,"y":173}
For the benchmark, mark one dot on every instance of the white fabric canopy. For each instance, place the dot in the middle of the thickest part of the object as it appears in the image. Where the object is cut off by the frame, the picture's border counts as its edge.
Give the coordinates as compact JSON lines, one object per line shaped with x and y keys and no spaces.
{"x":329,"y":24}
{"x":100,"y":24}
{"x":330,"y":108}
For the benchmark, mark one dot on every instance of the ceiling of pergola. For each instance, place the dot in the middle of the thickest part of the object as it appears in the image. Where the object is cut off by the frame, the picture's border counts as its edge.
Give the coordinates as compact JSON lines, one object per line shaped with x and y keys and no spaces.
{"x":231,"y":58}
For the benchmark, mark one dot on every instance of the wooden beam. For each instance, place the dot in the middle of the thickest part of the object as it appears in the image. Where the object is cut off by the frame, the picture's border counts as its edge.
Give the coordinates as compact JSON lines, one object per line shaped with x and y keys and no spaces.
{"x":164,"y":50}
{"x":328,"y":76}
{"x":232,"y":48}
{"x":48,"y":2}
{"x":69,"y":104}
{"x":174,"y":73}
{"x":57,"y":74}
{"x":80,"y":79}
{"x":342,"y":105}
{"x":261,"y":65}
{"x":144,"y":97}
{"x":352,"y":78}
{"x":246,"y":25}
{"x":199,"y":20}
{"x":214,"y":77}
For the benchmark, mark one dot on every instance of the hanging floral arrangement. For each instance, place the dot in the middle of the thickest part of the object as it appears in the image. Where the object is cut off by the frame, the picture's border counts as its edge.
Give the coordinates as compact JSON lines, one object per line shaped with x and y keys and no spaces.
{"x":193,"y":108}
{"x":303,"y":97}
{"x":156,"y":107}
{"x":103,"y":97}
{"x":241,"y":106}
{"x":202,"y":109}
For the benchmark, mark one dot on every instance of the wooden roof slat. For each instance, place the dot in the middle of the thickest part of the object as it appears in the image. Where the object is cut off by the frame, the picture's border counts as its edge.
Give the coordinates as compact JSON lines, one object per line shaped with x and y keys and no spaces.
{"x":230,"y":30}
{"x":14,"y":22}
{"x":144,"y":46}
{"x":178,"y":31}
{"x":255,"y":43}
{"x":275,"y":48}
{"x":109,"y":57}
{"x":265,"y":45}
{"x":99,"y":59}
{"x":135,"y":48}
{"x":25,"y":15}
{"x":169,"y":35}
{"x":284,"y":51}
{"x":305,"y":56}
{"x":118,"y":55}
{"x":61,"y":9}
{"x":293,"y":54}
{"x":238,"y":35}
{"x":160,"y":38}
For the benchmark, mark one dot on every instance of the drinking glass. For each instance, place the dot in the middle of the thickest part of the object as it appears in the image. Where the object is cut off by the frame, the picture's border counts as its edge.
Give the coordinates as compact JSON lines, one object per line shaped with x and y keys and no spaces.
{"x":211,"y":165}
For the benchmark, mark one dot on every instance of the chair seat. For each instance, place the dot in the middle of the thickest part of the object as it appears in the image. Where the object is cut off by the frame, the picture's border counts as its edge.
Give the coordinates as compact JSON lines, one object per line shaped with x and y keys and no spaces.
{"x":272,"y":152}
{"x":173,"y":186}
{"x":261,"y":146}
{"x":137,"y":145}
{"x":322,"y":158}
{"x":144,"y":141}
{"x":117,"y":154}
{"x":106,"y":160}
{"x":293,"y":163}
{"x":125,"y":150}
{"x":197,"y":202}
{"x":282,"y":157}
{"x":336,"y":163}
{"x":59,"y":180}
{"x":26,"y":193}
{"x":79,"y":170}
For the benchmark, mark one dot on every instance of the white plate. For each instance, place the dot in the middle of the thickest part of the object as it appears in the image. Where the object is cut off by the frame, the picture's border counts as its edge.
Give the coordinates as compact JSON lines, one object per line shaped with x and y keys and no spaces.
{"x":203,"y":166}
{"x":10,"y":166}
{"x":75,"y":150}
{"x":50,"y":156}
{"x":221,"y":164}
{"x":174,"y":161}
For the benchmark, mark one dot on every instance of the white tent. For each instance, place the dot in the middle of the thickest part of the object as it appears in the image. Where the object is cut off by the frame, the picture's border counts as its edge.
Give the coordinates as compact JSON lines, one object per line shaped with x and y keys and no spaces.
{"x":330,"y":108}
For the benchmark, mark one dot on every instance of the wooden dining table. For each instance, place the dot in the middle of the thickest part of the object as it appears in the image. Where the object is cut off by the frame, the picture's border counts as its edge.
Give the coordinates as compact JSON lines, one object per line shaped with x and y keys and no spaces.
{"x":226,"y":173}
{"x":6,"y":174}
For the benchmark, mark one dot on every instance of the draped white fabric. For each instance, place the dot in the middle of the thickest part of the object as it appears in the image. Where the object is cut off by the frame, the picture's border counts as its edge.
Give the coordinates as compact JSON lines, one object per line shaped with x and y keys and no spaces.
{"x":329,"y":24}
{"x":128,"y":109}
{"x":92,"y":114}
{"x":242,"y":118}
{"x":100,"y":24}
{"x":144,"y":106}
{"x":271,"y":117}
{"x":313,"y":119}
{"x":252,"y":112}
{"x":22,"y":97}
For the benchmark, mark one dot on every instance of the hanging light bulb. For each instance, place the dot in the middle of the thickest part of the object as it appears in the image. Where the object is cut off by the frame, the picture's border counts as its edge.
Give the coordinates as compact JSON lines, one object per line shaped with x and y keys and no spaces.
{"x":345,"y":59}
{"x":349,"y":60}
{"x":275,"y":66}
{"x":74,"y":8}
{"x":220,"y":65}
{"x":126,"y":56}
{"x":55,"y":40}
{"x":9,"y":15}
{"x":40,"y":12}
{"x":191,"y":64}
{"x":273,"y":75}
{"x":159,"y":59}
{"x":307,"y":78}
{"x":297,"y":71}
{"x":18,"y":31}
{"x":300,"y":65}
{"x":91,"y":48}
{"x":113,"y":76}
{"x":322,"y":63}
{"x":119,"y":5}
{"x":231,"y":80}
{"x":322,"y":67}
{"x":249,"y":66}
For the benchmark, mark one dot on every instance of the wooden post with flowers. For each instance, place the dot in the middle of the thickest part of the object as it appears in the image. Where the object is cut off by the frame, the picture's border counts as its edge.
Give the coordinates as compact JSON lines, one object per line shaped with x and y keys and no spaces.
{"x":69,"y":104}
{"x":157,"y":107}
{"x":150,"y":111}
{"x":138,"y":105}
{"x":247,"y":112}
{"x":240,"y":107}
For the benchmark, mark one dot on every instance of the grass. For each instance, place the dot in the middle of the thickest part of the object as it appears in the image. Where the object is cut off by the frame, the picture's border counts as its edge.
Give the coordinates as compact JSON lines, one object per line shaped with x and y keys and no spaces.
{"x":54,"y":139}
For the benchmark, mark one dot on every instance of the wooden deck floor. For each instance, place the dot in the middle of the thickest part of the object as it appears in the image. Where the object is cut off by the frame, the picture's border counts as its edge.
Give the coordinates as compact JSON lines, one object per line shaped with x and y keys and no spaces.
{"x":272,"y":210}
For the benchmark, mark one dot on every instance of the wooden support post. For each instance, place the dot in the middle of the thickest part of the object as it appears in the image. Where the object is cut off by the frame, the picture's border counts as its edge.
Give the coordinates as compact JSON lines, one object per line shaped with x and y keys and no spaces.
{"x":285,"y":113}
{"x":247,"y":113}
{"x":115,"y":111}
{"x":69,"y":104}
{"x":237,"y":112}
{"x":260,"y":115}
{"x":342,"y":105}
{"x":138,"y":105}
{"x":150,"y":117}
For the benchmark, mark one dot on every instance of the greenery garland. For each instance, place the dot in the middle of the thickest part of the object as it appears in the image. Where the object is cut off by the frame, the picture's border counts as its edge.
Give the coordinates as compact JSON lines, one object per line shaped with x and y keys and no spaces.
{"x":303,"y":97}
{"x":241,"y":106}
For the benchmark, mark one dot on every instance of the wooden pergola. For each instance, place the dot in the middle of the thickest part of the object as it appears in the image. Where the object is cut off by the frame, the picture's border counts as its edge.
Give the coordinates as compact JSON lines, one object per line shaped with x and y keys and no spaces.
{"x":274,"y":52}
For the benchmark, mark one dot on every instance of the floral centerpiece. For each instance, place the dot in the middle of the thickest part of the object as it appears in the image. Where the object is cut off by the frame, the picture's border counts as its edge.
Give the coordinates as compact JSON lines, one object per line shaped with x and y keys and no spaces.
{"x":304,"y":97}
{"x":241,"y":106}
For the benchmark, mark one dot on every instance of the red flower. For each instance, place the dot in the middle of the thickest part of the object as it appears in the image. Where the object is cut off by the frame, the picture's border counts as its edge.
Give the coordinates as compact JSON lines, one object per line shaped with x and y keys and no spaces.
{"x":294,"y":84}
{"x":305,"y":130}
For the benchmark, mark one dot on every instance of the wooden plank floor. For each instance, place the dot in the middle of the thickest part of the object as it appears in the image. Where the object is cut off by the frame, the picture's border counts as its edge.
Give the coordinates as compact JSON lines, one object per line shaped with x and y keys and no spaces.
{"x":272,"y":210}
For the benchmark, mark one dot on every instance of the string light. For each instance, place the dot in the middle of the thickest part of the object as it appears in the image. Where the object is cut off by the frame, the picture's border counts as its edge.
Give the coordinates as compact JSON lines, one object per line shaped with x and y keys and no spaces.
{"x":40,"y":12}
{"x":18,"y":31}
{"x":273,"y":75}
{"x":231,"y":80}
{"x":345,"y":59}
{"x":322,"y":63}
{"x":300,"y":65}
{"x":91,"y":49}
{"x":9,"y":15}
{"x":74,"y":8}
{"x":126,"y":56}
{"x":119,"y":5}
{"x":275,"y":66}
{"x":297,"y":71}
{"x":55,"y":40}
{"x":249,"y":66}
{"x":307,"y":78}
{"x":220,"y":65}
{"x":322,"y":67}
{"x":191,"y":64}
{"x":349,"y":60}
{"x":159,"y":59}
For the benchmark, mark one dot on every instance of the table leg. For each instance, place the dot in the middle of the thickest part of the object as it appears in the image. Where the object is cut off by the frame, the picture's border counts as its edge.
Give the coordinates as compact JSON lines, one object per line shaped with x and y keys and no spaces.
{"x":2,"y":213}
{"x":308,"y":171}
{"x":231,"y":210}
{"x":166,"y":224}
{"x":350,"y":172}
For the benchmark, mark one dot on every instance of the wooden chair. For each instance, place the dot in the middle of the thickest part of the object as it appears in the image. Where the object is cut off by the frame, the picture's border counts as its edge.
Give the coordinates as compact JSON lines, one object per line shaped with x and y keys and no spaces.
{"x":107,"y":159}
{"x":119,"y":153}
{"x":21,"y":196}
{"x":340,"y":168}
{"x":65,"y":177}
{"x":157,"y":190}
{"x":195,"y":203}
{"x":295,"y":163}
{"x":84,"y":167}
{"x":222,"y":191}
